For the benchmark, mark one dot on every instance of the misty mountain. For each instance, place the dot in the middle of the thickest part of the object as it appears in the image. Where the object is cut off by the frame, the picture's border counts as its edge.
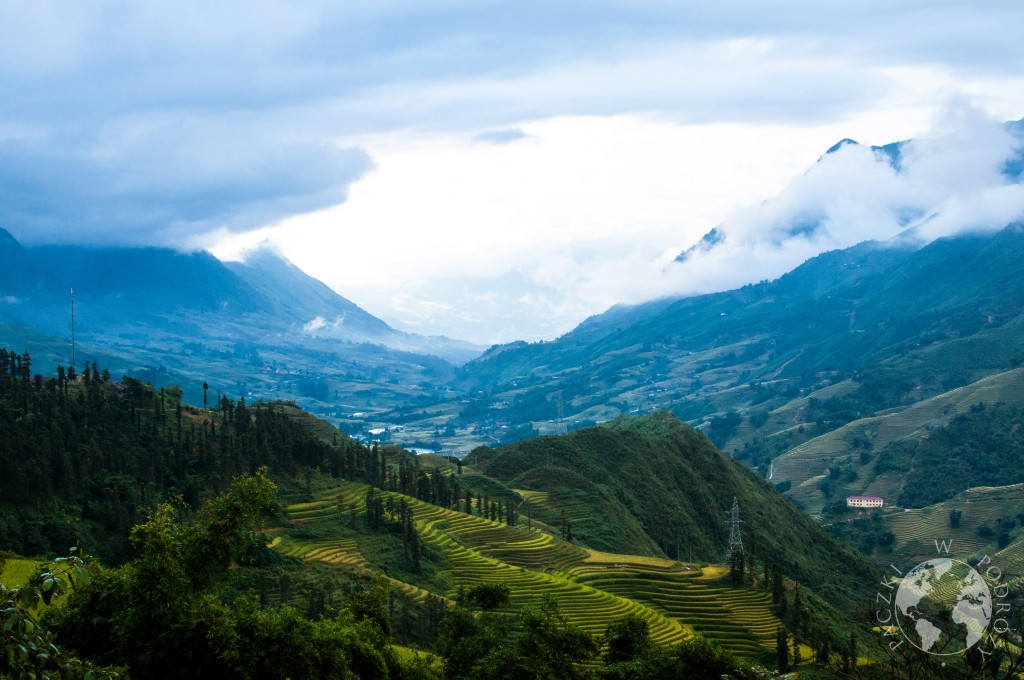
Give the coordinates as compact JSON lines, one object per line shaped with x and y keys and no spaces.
{"x":893,"y":322}
{"x":259,"y":327}
{"x":905,"y":185}
{"x":122,"y":286}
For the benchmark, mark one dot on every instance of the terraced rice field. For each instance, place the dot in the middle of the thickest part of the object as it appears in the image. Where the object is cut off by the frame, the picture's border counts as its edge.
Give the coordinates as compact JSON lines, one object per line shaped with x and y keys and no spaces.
{"x":550,"y":507}
{"x":917,"y":530}
{"x":592,"y":588}
{"x":738,"y":619}
{"x":807,"y":463}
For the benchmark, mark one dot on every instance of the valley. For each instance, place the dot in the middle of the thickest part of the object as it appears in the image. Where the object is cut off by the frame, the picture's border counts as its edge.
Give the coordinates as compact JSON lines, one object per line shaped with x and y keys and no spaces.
{"x":584,"y":480}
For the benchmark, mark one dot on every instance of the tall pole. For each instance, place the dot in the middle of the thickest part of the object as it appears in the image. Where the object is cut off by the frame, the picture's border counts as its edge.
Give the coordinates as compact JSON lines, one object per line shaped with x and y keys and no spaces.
{"x":72,"y":326}
{"x":735,"y":539}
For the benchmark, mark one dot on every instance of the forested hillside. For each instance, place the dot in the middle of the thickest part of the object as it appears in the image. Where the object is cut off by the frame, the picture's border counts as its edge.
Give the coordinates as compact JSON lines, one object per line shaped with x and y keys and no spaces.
{"x":83,"y":457}
{"x":984,"y":447}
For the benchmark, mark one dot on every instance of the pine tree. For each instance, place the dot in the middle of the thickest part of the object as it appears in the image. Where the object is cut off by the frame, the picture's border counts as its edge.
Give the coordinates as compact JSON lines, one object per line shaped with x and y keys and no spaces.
{"x":782,"y":651}
{"x":798,"y":621}
{"x":824,"y":651}
{"x":778,"y":587}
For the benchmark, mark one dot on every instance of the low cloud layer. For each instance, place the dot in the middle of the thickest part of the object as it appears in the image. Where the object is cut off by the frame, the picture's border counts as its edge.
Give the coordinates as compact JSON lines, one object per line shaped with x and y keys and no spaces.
{"x":954,"y":183}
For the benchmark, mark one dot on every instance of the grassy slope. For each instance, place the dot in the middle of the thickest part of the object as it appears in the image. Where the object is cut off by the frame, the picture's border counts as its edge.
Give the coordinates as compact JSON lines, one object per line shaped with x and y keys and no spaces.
{"x":592,"y":588}
{"x":671,"y":481}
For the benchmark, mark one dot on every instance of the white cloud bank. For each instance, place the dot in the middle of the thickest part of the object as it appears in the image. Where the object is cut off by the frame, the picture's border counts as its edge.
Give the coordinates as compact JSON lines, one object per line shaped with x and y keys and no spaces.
{"x":950,"y":184}
{"x":524,"y":239}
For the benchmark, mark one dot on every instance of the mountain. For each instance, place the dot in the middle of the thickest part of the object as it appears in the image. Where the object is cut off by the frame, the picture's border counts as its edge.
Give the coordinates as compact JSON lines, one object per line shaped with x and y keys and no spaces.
{"x":294,"y":296}
{"x":259,"y":326}
{"x":848,"y":333}
{"x":836,"y":312}
{"x":657,"y":476}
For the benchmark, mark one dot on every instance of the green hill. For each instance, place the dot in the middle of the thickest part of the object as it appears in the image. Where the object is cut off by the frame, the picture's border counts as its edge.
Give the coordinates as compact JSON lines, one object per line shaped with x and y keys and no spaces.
{"x":984,"y":513}
{"x":659,"y":474}
{"x":592,"y":587}
{"x":600,"y":519}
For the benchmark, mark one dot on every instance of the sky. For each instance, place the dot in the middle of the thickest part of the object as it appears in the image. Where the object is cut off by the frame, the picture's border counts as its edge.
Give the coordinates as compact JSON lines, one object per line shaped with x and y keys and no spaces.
{"x":498,"y":171}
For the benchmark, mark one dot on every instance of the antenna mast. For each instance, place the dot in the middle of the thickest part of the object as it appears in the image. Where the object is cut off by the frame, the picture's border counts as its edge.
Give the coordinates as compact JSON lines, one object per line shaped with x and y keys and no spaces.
{"x":72,"y":326}
{"x":735,"y":539}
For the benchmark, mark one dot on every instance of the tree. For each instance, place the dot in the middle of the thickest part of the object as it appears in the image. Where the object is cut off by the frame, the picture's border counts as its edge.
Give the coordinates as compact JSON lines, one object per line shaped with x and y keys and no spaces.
{"x":954,"y":518}
{"x":798,"y":612}
{"x":489,"y":596}
{"x":162,"y":614}
{"x":778,"y":587}
{"x":824,"y":651}
{"x":736,"y":567}
{"x":781,"y":651}
{"x":465,"y":639}
{"x":626,"y":639}
{"x":547,"y":645}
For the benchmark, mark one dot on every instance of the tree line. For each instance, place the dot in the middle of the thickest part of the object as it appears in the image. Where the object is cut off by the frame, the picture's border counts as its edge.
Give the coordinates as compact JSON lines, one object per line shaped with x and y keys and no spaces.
{"x":83,"y":457}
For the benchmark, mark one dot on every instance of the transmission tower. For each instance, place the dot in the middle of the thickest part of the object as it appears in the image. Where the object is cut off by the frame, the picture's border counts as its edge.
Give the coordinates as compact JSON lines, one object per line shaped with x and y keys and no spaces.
{"x":561,"y":415}
{"x":735,"y":539}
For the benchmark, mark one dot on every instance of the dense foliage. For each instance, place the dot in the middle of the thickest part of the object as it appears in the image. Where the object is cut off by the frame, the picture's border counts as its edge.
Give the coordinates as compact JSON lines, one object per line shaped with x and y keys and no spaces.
{"x":179,"y":605}
{"x":162,"y":616}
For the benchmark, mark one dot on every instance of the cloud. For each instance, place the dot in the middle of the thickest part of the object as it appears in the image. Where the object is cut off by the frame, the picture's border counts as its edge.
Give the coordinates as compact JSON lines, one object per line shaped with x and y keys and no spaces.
{"x":162,"y":178}
{"x":319,"y":323}
{"x":151,"y":122}
{"x":505,"y":136}
{"x":953,"y":183}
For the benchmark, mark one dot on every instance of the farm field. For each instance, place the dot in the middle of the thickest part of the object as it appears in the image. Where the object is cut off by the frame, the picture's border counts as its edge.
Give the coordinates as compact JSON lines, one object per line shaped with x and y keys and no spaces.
{"x":17,"y":571}
{"x":592,"y":588}
{"x":807,"y":463}
{"x":917,"y":530}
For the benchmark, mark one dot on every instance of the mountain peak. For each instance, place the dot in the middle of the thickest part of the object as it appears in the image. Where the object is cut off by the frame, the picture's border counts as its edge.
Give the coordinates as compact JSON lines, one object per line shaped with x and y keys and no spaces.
{"x":706,"y":243}
{"x":840,"y":144}
{"x":263,"y":254}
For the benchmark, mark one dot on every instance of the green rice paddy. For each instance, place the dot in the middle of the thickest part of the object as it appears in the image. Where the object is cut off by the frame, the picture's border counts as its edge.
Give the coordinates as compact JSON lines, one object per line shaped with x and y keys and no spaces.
{"x":592,"y":588}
